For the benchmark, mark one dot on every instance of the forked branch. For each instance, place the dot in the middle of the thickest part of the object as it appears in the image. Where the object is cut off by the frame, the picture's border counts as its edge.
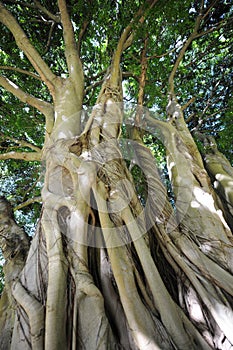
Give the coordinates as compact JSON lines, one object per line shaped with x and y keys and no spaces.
{"x":194,"y":35}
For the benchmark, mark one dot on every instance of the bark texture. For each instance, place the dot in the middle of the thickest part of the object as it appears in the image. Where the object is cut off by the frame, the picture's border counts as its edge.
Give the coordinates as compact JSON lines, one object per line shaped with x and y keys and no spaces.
{"x":100,"y":259}
{"x":107,"y":269}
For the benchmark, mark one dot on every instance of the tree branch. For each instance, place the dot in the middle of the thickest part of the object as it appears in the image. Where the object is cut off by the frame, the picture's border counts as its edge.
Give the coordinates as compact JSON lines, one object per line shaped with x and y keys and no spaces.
{"x":142,"y":79}
{"x":92,"y":86}
{"x":43,"y":9}
{"x":72,"y":57}
{"x":31,"y":74}
{"x":37,"y":5}
{"x":28,"y":202}
{"x":216,"y":27}
{"x":127,"y":38}
{"x":182,"y":53}
{"x":162,"y":55}
{"x":130,"y":75}
{"x":194,"y":35}
{"x":209,"y":8}
{"x":81,"y":34}
{"x":25,"y":45}
{"x":44,"y":107}
{"x":21,"y":143}
{"x":49,"y":38}
{"x":188,"y":103}
{"x":27,"y":156}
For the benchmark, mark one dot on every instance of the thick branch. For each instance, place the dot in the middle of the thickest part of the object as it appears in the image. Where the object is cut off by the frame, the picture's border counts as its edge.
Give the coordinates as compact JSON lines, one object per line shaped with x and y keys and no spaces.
{"x":44,"y":107}
{"x":28,"y":156}
{"x":25,"y":45}
{"x":71,"y":52}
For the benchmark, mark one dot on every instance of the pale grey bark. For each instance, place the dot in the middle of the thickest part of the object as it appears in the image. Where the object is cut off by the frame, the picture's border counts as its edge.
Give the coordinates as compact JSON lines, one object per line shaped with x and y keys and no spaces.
{"x":105,"y":271}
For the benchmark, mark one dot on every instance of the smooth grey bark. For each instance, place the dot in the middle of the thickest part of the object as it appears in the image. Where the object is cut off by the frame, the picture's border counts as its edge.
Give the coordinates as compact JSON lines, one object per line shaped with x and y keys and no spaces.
{"x":95,"y":281}
{"x":100,"y":260}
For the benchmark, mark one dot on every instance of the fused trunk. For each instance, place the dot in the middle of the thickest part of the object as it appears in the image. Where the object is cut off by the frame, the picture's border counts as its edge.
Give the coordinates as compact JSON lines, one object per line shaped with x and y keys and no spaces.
{"x":108,"y":269}
{"x":97,"y":275}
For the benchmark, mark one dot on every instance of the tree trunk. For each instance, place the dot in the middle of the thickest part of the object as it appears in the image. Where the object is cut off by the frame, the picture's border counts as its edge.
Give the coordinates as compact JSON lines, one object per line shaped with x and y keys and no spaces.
{"x":103,"y":271}
{"x":107,"y":269}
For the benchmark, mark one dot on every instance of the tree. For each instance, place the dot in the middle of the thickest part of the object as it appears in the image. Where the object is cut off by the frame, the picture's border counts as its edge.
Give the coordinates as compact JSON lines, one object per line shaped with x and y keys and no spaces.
{"x":126,"y":254}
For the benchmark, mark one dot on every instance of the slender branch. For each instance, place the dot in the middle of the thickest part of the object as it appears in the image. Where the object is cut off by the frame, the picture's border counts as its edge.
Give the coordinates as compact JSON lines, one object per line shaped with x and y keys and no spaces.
{"x":37,"y":5}
{"x":205,"y":55}
{"x":188,"y":103}
{"x":25,"y":45}
{"x":100,"y":74}
{"x":194,"y":35}
{"x":210,"y":8}
{"x":182,"y":53}
{"x":130,"y":75}
{"x":28,"y":202}
{"x":27,"y":156}
{"x":213,"y":29}
{"x":49,"y":37}
{"x":127,"y":38}
{"x":92,"y":86}
{"x":49,"y":14}
{"x":21,"y":143}
{"x":204,"y":116}
{"x":81,"y":34}
{"x":207,"y":106}
{"x":162,"y":55}
{"x":30,"y":189}
{"x":154,"y":56}
{"x":72,"y":57}
{"x":190,"y":118}
{"x":31,"y":74}
{"x":142,"y":79}
{"x":44,"y":107}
